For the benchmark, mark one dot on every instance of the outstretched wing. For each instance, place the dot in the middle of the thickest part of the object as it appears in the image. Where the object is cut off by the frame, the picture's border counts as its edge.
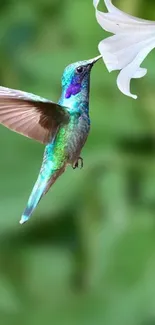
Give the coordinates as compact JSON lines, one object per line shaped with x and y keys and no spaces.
{"x":31,"y":115}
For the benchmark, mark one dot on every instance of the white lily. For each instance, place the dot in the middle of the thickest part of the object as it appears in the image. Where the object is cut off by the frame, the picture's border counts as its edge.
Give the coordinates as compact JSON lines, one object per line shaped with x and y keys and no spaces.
{"x":132,"y":41}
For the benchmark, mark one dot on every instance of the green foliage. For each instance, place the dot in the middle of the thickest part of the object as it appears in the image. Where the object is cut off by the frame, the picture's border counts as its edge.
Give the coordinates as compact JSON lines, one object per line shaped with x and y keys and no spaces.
{"x":87,"y":256}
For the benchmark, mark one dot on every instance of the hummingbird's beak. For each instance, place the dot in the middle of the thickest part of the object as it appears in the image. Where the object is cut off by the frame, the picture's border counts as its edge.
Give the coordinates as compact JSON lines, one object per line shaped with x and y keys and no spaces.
{"x":94,"y":60}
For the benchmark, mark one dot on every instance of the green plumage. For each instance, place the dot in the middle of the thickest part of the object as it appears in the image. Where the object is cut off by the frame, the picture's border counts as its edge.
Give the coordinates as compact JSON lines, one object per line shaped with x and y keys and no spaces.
{"x":62,"y":126}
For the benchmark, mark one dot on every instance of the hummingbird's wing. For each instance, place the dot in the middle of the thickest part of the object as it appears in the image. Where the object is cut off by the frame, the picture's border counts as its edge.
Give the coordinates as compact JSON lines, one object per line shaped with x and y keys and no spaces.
{"x":31,"y":115}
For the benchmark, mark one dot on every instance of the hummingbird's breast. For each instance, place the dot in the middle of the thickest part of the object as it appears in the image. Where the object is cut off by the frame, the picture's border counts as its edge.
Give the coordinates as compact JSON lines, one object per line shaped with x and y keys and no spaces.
{"x":78,"y":130}
{"x":74,"y":135}
{"x":68,"y":142}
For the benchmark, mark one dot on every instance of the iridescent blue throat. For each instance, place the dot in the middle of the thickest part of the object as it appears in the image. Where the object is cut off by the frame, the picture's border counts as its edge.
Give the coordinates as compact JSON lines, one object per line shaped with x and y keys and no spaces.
{"x":74,"y":87}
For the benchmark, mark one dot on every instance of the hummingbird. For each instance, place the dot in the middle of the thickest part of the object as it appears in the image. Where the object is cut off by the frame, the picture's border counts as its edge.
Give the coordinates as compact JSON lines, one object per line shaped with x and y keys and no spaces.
{"x":63,"y":127}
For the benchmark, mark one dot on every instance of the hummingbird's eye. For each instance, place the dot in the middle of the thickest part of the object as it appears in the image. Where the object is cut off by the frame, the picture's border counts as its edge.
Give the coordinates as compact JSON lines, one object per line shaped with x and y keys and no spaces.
{"x":80,"y":69}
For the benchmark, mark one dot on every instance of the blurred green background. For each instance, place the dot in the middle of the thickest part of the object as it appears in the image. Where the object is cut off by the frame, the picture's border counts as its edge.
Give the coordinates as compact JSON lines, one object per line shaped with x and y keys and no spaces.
{"x":87,"y":256}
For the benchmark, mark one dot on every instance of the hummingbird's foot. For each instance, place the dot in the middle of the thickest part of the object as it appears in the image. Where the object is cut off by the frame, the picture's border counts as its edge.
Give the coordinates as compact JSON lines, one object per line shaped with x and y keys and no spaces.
{"x":76,"y":164}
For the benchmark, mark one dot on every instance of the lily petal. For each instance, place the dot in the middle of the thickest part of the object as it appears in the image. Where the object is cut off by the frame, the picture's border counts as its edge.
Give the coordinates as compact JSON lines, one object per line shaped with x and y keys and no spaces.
{"x":132,"y":41}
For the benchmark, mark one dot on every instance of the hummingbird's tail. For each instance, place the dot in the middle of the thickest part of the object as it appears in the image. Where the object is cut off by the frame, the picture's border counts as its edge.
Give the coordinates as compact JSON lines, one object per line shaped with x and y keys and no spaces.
{"x":45,"y":180}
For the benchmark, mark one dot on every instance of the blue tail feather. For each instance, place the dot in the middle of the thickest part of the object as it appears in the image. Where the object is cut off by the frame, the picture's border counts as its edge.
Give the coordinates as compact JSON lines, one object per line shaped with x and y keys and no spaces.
{"x":37,"y":192}
{"x":46,"y":178}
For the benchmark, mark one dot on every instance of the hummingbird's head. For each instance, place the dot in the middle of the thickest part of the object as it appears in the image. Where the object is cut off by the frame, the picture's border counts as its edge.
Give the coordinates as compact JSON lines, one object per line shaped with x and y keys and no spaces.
{"x":76,"y":77}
